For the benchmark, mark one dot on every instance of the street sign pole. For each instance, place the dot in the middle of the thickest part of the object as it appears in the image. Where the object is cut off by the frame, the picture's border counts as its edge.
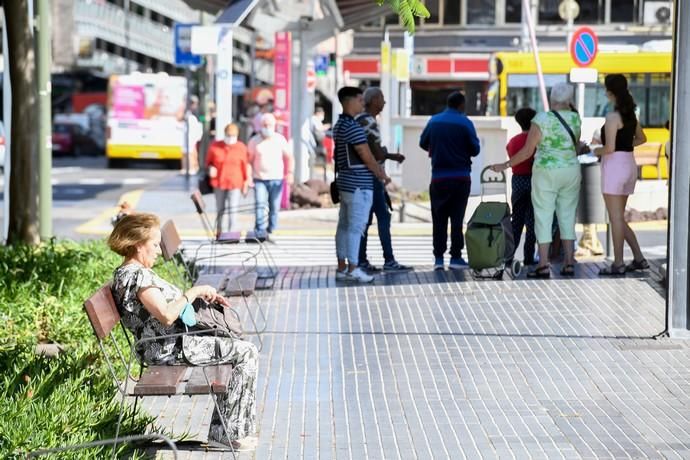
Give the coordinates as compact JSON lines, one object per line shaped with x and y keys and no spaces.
{"x":7,"y":116}
{"x":527,"y":13}
{"x":224,"y":82}
{"x":43,"y":60}
{"x":678,"y":307}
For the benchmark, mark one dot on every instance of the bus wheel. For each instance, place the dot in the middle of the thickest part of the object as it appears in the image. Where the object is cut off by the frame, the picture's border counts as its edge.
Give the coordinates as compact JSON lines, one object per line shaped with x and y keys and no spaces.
{"x":116,"y":163}
{"x":173,"y":164}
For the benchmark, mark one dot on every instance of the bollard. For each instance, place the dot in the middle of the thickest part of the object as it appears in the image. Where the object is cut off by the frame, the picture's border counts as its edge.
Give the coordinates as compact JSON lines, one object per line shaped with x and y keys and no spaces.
{"x":591,"y":209}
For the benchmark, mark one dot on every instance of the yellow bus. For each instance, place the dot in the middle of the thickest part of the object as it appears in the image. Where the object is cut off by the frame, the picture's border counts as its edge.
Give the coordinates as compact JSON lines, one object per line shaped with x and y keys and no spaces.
{"x":146,"y":118}
{"x":514,"y":84}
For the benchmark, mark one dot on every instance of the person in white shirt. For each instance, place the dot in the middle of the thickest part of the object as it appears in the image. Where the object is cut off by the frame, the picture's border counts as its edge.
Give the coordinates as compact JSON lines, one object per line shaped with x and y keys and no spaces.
{"x":271,"y":161}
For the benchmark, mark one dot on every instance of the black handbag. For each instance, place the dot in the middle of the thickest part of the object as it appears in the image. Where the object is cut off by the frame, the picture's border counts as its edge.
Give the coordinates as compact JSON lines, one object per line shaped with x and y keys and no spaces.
{"x":335,"y":193}
{"x":204,"y":185}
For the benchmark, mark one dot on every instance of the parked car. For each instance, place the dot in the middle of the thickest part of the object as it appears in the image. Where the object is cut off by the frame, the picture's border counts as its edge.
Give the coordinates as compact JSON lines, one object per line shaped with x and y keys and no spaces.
{"x":3,"y":148}
{"x":72,"y":139}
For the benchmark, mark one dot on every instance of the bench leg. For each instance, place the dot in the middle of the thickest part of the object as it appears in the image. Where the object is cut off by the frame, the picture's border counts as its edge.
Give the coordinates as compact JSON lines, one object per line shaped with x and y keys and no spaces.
{"x":215,"y":398}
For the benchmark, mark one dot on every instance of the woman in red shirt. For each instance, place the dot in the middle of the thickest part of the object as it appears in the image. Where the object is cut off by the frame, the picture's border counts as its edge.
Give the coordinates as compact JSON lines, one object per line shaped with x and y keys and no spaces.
{"x":227,"y":165}
{"x":521,"y":196}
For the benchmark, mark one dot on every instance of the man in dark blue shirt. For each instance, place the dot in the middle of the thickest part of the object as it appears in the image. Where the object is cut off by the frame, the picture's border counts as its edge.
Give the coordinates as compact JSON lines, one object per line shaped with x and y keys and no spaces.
{"x":451,"y":140}
{"x":357,"y":170}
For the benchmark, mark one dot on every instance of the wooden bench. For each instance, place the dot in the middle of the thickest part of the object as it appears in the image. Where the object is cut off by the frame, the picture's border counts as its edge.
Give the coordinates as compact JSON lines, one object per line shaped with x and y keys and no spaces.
{"x":160,"y":380}
{"x":648,"y":154}
{"x":227,"y":238}
{"x":234,"y":282}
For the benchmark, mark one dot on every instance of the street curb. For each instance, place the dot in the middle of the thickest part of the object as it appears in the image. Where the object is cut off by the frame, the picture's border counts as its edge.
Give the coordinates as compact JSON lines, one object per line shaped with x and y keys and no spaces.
{"x":95,"y":225}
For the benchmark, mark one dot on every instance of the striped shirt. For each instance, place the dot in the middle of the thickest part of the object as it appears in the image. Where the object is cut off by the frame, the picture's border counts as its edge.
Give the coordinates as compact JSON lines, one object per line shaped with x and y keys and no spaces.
{"x":352,"y":172}
{"x":371,"y":128}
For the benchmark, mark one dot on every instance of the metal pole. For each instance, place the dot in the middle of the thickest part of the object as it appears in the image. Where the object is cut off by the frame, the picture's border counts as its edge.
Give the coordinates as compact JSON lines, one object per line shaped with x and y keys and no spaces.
{"x":678,"y":317}
{"x":252,"y":50}
{"x":527,"y":12}
{"x":187,"y":144}
{"x":43,"y":60}
{"x":386,"y":88}
{"x":7,"y":117}
{"x":223,"y":91}
{"x":127,"y":66}
{"x":581,"y":99}
{"x":408,"y":43}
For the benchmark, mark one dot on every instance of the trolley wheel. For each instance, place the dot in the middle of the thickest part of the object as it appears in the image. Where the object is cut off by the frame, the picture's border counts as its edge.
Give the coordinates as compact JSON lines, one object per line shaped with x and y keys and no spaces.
{"x":516,"y":268}
{"x":498,"y":275}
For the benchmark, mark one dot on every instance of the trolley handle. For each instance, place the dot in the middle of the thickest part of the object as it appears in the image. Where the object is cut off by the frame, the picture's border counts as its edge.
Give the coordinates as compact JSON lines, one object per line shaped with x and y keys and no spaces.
{"x":492,"y":178}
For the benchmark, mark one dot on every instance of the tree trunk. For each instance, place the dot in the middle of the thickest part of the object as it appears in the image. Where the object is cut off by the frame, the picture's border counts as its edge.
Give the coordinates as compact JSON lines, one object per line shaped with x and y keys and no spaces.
{"x":23,"y":218}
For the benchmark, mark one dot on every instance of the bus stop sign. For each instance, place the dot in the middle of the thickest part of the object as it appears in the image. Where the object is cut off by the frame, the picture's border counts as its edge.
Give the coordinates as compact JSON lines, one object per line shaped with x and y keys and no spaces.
{"x":584,"y":46}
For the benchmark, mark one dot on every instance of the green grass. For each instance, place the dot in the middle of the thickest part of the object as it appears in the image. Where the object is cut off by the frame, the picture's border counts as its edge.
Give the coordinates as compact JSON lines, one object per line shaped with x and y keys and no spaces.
{"x":69,"y":400}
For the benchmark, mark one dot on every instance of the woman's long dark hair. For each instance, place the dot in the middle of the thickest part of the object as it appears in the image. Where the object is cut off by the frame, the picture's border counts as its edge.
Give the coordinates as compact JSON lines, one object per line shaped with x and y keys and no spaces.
{"x":617,"y":84}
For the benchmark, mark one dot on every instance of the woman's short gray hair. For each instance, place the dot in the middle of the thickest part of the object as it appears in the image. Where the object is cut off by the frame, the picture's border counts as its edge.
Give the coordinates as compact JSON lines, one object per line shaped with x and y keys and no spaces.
{"x":561,"y":93}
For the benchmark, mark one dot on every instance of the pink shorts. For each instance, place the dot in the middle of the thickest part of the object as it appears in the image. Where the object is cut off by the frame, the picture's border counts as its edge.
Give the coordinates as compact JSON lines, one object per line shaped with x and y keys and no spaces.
{"x":618,"y":173}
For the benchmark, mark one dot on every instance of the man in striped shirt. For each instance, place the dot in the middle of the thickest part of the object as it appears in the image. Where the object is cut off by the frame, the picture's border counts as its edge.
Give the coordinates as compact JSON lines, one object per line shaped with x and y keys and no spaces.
{"x":357,"y":170}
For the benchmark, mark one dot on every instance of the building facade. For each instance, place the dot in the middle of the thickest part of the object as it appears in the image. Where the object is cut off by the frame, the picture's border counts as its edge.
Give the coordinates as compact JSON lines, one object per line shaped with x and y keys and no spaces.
{"x":454,"y":46}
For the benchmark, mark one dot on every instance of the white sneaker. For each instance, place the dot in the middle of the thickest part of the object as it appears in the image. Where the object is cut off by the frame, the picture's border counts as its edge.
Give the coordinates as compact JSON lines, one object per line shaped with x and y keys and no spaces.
{"x":341,"y":275}
{"x":360,"y":276}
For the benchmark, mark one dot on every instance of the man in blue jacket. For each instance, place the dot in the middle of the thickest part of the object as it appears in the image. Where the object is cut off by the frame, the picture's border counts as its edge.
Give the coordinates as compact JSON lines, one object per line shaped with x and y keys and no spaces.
{"x":451,"y":140}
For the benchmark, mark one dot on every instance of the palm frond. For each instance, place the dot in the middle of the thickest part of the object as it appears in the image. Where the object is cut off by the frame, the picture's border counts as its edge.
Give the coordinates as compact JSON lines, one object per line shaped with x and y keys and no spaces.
{"x":407,"y":10}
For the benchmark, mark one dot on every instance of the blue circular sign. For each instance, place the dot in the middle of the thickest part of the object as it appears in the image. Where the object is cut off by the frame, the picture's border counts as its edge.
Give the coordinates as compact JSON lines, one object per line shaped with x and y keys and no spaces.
{"x":584,"y":46}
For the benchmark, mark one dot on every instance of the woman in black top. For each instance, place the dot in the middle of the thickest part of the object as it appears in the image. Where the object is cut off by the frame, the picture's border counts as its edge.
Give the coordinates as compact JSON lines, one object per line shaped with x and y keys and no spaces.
{"x":619,"y":135}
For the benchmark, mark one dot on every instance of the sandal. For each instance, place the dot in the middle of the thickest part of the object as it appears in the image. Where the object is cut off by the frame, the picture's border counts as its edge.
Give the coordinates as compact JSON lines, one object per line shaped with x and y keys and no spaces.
{"x":568,"y":270}
{"x":637,"y":265}
{"x":540,"y":273}
{"x":613,"y":270}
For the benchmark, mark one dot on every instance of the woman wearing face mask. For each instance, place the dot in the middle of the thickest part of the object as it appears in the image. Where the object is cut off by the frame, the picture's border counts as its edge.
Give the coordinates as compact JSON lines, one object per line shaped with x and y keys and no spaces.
{"x":228,"y":169}
{"x":271,"y":160}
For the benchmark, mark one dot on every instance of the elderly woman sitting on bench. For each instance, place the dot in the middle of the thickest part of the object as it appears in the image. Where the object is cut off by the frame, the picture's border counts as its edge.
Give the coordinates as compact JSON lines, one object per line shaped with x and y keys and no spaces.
{"x":150,"y":307}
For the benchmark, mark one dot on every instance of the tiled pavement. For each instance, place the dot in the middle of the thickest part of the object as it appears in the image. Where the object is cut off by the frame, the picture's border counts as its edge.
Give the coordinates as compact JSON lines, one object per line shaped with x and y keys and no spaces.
{"x":436,"y":365}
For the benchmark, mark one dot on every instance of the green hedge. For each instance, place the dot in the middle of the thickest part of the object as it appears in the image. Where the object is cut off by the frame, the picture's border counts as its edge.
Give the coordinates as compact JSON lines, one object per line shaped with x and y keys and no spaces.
{"x":54,"y":402}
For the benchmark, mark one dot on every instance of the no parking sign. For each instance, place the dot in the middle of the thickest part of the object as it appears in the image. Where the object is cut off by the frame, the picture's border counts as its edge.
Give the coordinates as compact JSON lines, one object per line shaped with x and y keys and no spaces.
{"x":584,"y":46}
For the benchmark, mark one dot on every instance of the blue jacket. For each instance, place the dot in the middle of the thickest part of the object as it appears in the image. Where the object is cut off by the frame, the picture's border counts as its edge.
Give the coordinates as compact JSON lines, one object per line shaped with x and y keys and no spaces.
{"x":451,"y":140}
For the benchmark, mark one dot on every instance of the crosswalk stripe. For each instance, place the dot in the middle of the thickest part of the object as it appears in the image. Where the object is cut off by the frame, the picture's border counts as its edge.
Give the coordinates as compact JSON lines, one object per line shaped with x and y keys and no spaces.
{"x":315,"y":251}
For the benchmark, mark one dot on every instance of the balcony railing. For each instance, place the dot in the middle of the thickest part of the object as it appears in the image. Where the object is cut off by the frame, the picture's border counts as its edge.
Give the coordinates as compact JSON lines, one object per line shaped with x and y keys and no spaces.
{"x":106,"y":21}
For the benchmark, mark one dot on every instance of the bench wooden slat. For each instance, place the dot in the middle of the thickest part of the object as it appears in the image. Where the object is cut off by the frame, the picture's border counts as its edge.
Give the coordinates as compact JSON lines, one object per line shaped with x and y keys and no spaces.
{"x":170,"y":240}
{"x":219,"y":376}
{"x":241,"y":285}
{"x":217,"y":280}
{"x":251,"y":237}
{"x":647,"y":154}
{"x":102,"y":312}
{"x":229,"y":237}
{"x":160,"y":380}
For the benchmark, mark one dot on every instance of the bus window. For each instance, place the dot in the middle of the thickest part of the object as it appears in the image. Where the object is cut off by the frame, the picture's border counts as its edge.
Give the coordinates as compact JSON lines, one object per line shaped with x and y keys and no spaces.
{"x":523,"y":90}
{"x":657,"y":108}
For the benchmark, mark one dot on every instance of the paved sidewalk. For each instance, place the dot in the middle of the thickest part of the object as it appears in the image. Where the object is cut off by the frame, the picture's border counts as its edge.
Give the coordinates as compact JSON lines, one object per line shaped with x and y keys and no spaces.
{"x":436,"y":365}
{"x":171,"y":200}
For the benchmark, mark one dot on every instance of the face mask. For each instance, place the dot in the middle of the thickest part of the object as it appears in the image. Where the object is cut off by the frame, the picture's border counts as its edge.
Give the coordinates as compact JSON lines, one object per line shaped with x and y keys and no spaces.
{"x":187,"y":315}
{"x":267,"y":132}
{"x":229,"y":140}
